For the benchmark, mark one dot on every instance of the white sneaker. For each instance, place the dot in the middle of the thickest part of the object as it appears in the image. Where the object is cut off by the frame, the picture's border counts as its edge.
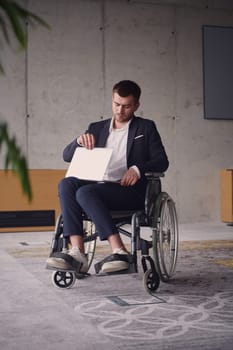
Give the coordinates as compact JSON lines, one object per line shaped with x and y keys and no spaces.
{"x":60,"y":263}
{"x":115,"y":265}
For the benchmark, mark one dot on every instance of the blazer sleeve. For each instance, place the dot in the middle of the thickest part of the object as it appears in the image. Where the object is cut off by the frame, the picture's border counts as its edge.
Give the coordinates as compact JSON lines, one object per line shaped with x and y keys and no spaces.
{"x":100,"y":131}
{"x":158,"y":160}
{"x":148,"y":152}
{"x":69,"y":150}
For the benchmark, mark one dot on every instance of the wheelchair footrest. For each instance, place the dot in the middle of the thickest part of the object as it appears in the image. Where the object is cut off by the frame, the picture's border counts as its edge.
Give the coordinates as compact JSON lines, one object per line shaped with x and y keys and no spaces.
{"x":74,"y":264}
{"x":113,"y":257}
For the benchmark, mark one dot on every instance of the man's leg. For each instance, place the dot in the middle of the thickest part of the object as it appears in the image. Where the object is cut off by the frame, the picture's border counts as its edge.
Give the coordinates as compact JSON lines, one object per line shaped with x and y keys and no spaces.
{"x":97,"y":200}
{"x":72,"y":223}
{"x":77,"y":241}
{"x":71,"y":210}
{"x":116,"y":242}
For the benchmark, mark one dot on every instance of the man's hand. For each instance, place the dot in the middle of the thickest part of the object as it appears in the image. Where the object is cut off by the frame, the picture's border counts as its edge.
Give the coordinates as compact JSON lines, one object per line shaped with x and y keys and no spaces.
{"x":129,"y":178}
{"x":87,"y":141}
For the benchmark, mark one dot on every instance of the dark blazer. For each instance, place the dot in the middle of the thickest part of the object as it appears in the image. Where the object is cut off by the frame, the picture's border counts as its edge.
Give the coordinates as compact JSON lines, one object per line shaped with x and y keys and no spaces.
{"x":144,"y":145}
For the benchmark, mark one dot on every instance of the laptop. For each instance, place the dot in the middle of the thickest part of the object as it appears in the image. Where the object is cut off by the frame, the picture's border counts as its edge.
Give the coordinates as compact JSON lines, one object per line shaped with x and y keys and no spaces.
{"x":89,"y":164}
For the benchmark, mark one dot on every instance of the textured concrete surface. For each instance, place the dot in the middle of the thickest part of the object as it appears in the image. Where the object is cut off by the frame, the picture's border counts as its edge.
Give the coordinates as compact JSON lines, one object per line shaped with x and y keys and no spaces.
{"x":50,"y":93}
{"x":193,"y":311}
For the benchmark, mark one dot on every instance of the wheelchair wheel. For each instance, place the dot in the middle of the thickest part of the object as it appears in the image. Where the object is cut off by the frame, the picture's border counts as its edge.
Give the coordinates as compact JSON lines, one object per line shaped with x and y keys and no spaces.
{"x":151,"y":281}
{"x":63,"y":279}
{"x":165,"y":236}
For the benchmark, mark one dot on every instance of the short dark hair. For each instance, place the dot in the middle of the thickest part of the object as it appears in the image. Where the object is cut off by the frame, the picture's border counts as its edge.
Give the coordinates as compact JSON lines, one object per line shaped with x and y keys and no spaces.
{"x":126,"y":88}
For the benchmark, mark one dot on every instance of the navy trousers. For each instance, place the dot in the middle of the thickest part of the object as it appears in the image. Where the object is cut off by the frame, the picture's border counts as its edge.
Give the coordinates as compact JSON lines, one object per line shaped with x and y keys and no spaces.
{"x":96,"y":200}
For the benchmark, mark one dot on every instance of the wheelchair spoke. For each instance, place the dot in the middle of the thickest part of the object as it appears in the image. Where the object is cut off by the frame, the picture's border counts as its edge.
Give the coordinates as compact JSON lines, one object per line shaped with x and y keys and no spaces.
{"x":89,"y":240}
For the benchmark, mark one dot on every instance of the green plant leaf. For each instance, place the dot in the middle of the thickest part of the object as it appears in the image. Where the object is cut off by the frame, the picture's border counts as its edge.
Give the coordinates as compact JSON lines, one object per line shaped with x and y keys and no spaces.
{"x":18,"y":18}
{"x":16,"y":24}
{"x":31,"y":17}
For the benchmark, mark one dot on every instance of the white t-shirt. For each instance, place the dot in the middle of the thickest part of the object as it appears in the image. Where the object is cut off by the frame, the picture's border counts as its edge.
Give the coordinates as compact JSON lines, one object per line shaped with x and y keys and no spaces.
{"x":117,"y":140}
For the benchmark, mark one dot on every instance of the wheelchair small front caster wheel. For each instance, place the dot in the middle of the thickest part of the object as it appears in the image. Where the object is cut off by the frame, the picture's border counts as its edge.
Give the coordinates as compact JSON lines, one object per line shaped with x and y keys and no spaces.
{"x":151,"y":281}
{"x":63,"y":279}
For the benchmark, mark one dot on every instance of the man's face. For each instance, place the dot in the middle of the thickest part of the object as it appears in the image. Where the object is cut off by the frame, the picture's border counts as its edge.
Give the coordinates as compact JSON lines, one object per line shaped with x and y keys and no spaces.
{"x":123,"y":108}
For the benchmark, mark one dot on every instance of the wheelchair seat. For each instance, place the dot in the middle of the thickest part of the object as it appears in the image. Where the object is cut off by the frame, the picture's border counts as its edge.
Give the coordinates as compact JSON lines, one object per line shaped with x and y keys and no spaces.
{"x":158,"y":252}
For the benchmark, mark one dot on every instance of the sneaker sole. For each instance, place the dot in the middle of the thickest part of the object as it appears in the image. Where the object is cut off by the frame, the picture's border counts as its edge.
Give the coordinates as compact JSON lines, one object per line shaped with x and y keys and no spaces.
{"x":62,"y":265}
{"x":59,"y":265}
{"x":108,"y":269}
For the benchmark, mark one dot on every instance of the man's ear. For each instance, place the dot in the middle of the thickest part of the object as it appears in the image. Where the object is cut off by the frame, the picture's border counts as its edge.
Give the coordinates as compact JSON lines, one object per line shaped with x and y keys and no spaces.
{"x":137,"y":105}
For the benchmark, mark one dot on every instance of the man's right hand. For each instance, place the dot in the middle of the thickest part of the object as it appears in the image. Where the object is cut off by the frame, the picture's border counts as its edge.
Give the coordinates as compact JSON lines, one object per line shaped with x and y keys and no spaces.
{"x":86,"y":140}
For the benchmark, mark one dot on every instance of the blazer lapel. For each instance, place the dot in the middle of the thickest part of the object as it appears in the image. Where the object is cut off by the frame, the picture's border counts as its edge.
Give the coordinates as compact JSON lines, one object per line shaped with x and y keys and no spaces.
{"x":131,"y":134}
{"x":104,"y":133}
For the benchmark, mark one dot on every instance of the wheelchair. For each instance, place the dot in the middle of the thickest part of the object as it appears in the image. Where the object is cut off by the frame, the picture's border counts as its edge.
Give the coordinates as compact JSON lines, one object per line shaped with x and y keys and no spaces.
{"x":159,"y":252}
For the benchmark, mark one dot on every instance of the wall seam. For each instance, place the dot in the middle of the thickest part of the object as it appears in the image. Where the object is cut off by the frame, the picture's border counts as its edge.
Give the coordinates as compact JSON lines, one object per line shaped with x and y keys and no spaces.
{"x":175,"y":117}
{"x":26,"y":90}
{"x":102,"y":28}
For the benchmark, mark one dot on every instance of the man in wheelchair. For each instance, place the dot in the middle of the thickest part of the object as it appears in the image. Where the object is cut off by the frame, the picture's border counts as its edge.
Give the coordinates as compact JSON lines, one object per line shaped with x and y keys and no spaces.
{"x":137,"y":149}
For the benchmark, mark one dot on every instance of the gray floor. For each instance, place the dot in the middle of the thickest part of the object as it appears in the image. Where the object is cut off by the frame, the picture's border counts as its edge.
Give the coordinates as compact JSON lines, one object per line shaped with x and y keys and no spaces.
{"x":193,"y":311}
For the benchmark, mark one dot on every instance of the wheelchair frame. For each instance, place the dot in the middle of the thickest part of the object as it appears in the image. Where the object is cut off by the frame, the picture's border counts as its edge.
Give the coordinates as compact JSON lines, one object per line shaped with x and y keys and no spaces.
{"x":159,"y":215}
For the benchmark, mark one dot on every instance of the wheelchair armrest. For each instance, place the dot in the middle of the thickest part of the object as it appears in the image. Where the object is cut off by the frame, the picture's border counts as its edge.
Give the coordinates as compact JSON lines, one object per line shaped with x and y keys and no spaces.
{"x":154,"y":175}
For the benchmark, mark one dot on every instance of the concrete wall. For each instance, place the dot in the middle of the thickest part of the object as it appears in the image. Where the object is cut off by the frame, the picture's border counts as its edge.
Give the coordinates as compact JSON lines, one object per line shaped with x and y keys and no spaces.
{"x":64,"y":81}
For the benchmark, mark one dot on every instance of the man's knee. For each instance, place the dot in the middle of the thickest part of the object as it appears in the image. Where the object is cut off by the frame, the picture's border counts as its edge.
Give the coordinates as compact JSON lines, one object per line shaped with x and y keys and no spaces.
{"x":67,"y":185}
{"x":63,"y":184}
{"x":83,"y":194}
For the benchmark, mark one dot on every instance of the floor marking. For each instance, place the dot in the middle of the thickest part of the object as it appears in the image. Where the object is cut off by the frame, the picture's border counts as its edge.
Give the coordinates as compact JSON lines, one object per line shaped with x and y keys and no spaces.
{"x":181,"y":315}
{"x":23,"y":243}
{"x":122,"y":302}
{"x":117,"y":300}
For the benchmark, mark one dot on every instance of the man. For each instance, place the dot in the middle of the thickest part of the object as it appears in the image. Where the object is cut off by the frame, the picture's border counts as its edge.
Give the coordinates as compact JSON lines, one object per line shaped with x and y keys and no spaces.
{"x":137,"y":149}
